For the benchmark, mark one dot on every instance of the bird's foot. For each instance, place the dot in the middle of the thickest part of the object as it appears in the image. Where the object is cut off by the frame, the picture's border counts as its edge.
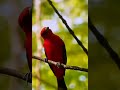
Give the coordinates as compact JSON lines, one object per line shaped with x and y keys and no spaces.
{"x":46,"y":60}
{"x":28,"y":77}
{"x":59,"y":65}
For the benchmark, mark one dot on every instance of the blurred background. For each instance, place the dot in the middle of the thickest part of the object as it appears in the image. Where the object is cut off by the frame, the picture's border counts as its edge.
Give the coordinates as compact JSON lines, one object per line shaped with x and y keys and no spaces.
{"x":103,"y":72}
{"x":75,"y":13}
{"x":12,"y":52}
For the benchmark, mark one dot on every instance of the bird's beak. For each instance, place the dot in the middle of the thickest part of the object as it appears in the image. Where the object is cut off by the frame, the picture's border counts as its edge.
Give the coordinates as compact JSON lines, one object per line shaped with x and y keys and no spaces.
{"x":47,"y":28}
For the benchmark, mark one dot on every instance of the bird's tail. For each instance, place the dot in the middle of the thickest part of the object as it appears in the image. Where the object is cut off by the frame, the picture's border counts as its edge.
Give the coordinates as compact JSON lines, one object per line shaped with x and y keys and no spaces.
{"x":61,"y":84}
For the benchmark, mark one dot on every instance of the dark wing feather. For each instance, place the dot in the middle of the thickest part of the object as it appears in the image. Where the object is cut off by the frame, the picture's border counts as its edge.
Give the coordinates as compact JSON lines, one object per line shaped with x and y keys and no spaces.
{"x":45,"y":53}
{"x":48,"y":64}
{"x":64,"y":55}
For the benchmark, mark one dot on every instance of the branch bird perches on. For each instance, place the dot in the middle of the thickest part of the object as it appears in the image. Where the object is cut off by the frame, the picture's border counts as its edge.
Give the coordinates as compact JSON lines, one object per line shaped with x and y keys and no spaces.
{"x":60,"y":65}
{"x":14,"y":73}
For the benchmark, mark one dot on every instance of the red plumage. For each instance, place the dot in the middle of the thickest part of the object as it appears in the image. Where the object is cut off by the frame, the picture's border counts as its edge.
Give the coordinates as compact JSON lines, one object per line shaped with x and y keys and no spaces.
{"x":25,"y":22}
{"x":54,"y":50}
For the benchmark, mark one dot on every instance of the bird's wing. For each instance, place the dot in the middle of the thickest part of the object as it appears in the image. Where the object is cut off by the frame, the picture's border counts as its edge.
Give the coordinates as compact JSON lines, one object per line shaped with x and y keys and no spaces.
{"x":48,"y":63}
{"x":64,"y":55}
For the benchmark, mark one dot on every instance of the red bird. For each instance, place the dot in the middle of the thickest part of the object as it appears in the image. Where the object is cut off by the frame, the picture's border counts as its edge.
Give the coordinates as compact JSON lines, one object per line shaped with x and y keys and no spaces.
{"x":25,"y":22}
{"x":55,"y":50}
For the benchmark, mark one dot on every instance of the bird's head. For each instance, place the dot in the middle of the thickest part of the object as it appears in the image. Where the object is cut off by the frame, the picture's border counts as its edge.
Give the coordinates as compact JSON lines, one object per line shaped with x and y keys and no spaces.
{"x":46,"y":32}
{"x":25,"y":19}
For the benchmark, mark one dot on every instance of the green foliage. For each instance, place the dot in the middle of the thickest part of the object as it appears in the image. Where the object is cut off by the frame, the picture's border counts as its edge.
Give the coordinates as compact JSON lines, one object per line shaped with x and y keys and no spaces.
{"x":34,"y":42}
{"x":46,"y":10}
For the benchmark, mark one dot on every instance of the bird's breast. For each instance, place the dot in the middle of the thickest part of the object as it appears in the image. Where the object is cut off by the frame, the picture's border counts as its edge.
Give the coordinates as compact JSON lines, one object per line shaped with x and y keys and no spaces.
{"x":54,"y":51}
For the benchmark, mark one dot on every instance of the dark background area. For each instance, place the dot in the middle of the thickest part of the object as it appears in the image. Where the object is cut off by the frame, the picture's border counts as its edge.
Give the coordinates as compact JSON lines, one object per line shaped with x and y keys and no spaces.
{"x":12,"y":52}
{"x":103,"y":72}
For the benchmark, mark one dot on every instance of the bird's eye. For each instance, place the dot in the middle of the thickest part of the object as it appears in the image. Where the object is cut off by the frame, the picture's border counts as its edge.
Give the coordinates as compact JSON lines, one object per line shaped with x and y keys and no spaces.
{"x":47,"y":28}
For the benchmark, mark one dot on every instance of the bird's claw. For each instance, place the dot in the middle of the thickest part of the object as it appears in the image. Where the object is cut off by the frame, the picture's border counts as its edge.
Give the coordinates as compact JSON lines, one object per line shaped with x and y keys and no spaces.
{"x":28,"y":77}
{"x":58,"y":64}
{"x":46,"y":60}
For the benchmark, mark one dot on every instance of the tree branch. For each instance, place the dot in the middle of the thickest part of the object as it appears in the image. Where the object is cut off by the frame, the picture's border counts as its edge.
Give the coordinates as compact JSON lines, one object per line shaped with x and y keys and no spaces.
{"x":60,"y":65}
{"x":67,"y":26}
{"x":104,"y":43}
{"x":14,"y":73}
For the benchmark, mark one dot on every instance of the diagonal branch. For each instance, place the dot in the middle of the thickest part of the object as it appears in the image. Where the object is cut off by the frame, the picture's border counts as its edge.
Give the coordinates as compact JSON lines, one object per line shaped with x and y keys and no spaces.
{"x":67,"y":26}
{"x":14,"y":73}
{"x":60,"y":65}
{"x":104,"y":43}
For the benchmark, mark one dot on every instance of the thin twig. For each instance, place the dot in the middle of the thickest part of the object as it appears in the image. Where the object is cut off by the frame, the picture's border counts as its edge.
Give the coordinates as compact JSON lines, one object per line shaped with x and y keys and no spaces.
{"x":104,"y":43}
{"x":61,"y":65}
{"x":14,"y":73}
{"x":67,"y":26}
